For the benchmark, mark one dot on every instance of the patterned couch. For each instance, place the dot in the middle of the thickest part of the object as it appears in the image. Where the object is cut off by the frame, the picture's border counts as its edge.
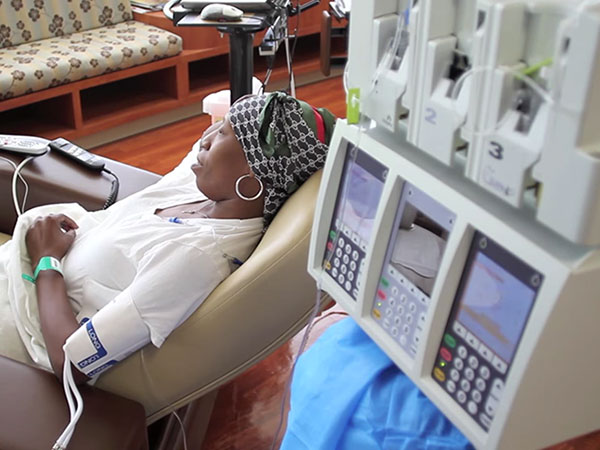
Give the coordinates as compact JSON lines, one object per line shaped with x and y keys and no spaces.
{"x":48,"y":43}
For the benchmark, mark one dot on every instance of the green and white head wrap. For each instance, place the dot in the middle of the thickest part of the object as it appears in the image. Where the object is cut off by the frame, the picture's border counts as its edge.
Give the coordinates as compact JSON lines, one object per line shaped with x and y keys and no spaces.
{"x":285,"y":141}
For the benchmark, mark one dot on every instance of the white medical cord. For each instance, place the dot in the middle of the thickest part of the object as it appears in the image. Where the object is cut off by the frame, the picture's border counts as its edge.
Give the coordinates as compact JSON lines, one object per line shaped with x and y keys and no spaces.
{"x":185,"y":447}
{"x":537,"y":89}
{"x":266,"y":80}
{"x":384,"y":65}
{"x":388,"y":57}
{"x":543,"y":93}
{"x":16,"y":175}
{"x":345,"y":78}
{"x":14,"y":190}
{"x":161,"y":400}
{"x":75,"y":408}
{"x":288,"y":60}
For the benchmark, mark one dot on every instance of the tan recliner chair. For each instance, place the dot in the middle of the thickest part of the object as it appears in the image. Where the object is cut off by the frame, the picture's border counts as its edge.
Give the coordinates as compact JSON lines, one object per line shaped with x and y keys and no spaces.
{"x":252,"y":312}
{"x":257,"y":308}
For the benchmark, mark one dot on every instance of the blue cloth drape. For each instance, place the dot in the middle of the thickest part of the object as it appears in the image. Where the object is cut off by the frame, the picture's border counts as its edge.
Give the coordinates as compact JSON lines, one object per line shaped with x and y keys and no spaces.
{"x":348,"y":395}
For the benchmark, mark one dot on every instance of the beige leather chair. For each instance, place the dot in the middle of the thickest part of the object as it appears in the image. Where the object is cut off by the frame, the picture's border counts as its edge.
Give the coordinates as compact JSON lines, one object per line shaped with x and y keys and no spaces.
{"x":257,"y":308}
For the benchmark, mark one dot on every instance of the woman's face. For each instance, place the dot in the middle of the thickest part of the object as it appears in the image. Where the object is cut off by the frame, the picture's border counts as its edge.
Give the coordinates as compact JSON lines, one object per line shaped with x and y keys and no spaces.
{"x":221,"y":161}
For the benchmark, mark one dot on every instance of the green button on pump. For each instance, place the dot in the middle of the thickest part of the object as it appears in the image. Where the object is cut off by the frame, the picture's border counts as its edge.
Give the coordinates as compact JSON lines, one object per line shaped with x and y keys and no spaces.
{"x":332,"y":234}
{"x":385,"y":282}
{"x":449,"y":340}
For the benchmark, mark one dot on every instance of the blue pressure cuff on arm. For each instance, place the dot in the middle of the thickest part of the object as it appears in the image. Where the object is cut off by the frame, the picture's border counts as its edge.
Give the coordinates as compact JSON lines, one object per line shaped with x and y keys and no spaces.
{"x":113,"y":333}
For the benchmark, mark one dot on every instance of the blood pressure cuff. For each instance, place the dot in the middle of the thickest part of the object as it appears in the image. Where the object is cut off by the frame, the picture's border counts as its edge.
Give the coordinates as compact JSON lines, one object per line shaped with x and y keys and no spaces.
{"x":112,"y":334}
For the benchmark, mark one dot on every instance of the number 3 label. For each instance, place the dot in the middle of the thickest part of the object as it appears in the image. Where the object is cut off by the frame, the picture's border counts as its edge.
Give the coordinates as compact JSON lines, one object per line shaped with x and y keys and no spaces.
{"x":496,"y":150}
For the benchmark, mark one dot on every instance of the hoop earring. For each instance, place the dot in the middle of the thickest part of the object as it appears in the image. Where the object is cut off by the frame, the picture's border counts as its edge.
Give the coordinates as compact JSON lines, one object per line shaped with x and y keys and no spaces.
{"x":243,"y":197}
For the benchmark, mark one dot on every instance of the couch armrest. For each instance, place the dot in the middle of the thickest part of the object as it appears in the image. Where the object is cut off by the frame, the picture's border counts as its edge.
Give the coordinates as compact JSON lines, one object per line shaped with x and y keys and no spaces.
{"x":34,"y":412}
{"x":53,"y":178}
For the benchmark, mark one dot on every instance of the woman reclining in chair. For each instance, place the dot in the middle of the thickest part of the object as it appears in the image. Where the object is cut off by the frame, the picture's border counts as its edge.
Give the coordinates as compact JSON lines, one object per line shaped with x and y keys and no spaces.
{"x":134,"y":272}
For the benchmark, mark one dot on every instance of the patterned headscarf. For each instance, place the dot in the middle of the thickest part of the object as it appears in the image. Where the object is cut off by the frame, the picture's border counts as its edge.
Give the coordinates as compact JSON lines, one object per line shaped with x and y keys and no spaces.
{"x":285,"y":141}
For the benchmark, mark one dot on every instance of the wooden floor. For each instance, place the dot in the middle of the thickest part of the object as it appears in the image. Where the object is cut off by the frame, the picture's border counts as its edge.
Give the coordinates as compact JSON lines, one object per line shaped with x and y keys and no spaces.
{"x":248,"y":409}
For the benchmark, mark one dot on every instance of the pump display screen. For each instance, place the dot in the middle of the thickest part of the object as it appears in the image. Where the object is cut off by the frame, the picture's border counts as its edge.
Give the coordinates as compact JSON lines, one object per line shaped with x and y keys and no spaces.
{"x":495,"y":305}
{"x":351,"y":226}
{"x":495,"y":296}
{"x":359,"y":197}
{"x":415,"y":250}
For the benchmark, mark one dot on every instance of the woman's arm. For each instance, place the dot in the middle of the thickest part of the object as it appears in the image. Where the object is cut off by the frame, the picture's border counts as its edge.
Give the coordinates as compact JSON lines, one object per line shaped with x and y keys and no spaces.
{"x":53,"y":235}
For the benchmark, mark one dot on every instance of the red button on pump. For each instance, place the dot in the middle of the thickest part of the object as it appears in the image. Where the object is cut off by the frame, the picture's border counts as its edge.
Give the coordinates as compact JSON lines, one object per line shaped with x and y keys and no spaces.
{"x":381,"y":294}
{"x":330,"y":246}
{"x":446,"y":354}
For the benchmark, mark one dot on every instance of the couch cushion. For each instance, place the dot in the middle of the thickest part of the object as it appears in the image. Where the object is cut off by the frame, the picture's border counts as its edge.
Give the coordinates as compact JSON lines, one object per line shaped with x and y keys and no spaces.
{"x":31,"y":20}
{"x":51,"y":62}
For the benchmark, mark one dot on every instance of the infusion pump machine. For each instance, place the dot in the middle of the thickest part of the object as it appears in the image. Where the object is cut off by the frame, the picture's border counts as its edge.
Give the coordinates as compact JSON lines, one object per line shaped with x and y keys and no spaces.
{"x":458,"y":220}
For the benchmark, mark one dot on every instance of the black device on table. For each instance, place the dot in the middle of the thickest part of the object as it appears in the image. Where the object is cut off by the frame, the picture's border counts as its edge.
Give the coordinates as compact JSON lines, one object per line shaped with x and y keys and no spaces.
{"x":38,"y":146}
{"x":77,"y":154}
{"x":88,"y":160}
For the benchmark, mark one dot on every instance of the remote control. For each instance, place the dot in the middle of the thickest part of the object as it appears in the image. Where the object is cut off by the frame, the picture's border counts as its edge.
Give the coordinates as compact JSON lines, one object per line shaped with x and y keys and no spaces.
{"x":29,"y":145}
{"x":76,"y":153}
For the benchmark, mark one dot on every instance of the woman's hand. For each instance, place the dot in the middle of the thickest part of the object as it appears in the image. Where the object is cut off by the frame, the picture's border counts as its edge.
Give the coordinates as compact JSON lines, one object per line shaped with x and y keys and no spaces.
{"x":52,"y":235}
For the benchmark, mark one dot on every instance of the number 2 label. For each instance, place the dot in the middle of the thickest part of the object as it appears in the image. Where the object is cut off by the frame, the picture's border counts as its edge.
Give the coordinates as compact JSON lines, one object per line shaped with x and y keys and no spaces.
{"x":430,"y":116}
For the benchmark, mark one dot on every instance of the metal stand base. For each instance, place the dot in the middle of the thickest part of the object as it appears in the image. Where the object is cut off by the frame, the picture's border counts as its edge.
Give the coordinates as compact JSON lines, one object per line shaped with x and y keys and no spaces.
{"x":241,"y":62}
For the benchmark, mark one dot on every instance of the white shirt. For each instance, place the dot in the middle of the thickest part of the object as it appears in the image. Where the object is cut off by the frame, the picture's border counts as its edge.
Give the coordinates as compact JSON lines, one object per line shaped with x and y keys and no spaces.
{"x":145,"y":274}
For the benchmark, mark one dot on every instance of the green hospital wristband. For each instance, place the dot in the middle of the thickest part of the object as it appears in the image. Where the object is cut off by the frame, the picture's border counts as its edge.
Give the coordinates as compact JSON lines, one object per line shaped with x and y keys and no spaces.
{"x":46,"y":263}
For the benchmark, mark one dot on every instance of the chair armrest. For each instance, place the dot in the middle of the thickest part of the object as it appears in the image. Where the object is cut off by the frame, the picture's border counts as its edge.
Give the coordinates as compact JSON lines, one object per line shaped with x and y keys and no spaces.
{"x":34,"y":412}
{"x":53,"y":178}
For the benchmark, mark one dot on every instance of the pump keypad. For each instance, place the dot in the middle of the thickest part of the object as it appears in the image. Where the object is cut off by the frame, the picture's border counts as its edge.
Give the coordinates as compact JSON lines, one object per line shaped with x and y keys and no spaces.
{"x":344,"y":260}
{"x":400,"y":308}
{"x":471,"y":373}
